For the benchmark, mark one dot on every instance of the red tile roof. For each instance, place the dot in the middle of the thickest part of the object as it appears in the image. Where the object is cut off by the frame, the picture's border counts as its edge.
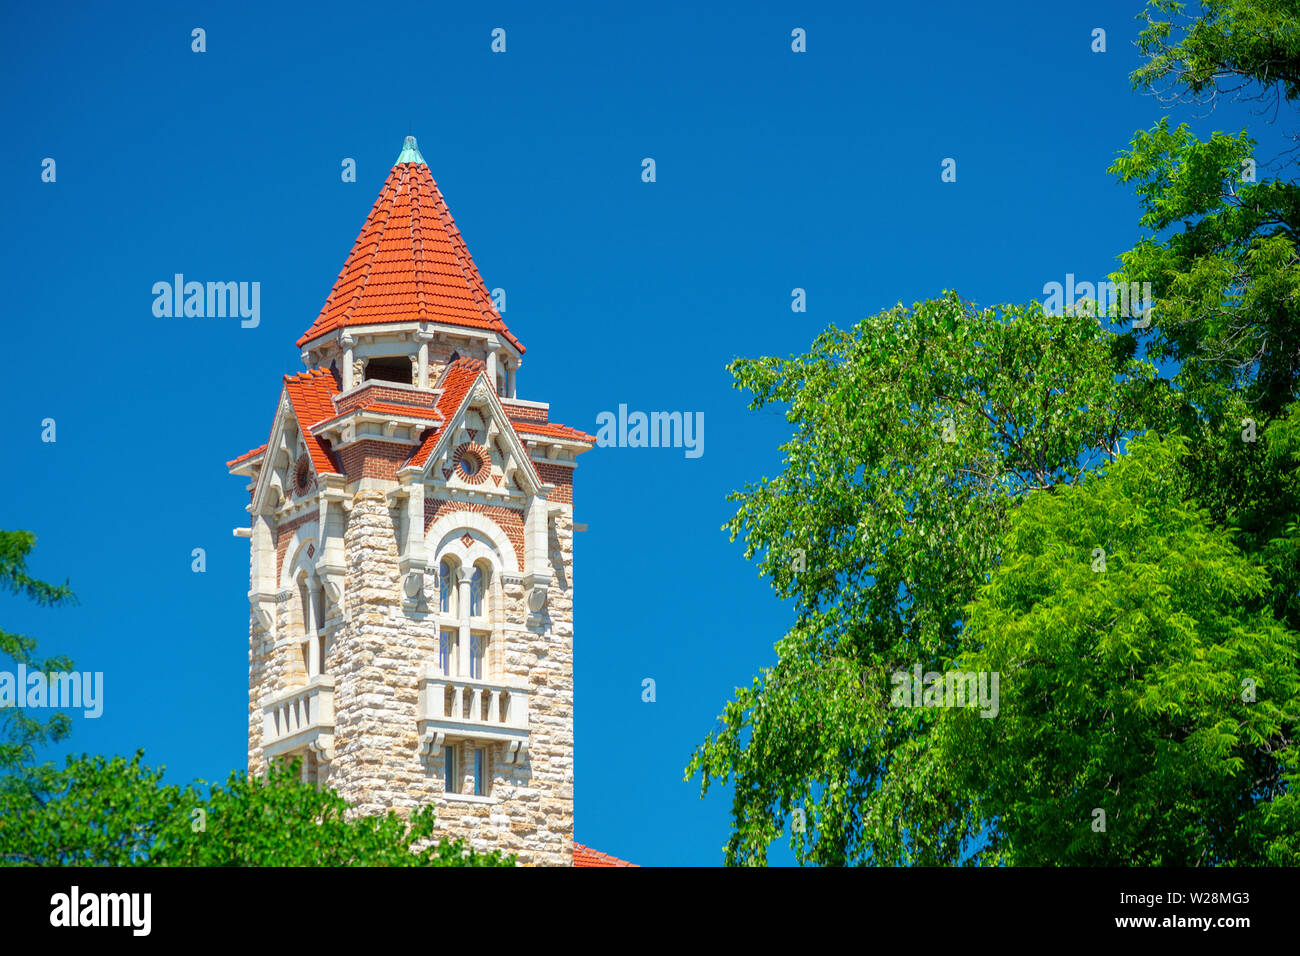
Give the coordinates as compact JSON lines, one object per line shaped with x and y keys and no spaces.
{"x":409,"y":263}
{"x":457,"y":379}
{"x":552,"y":430}
{"x":586,"y":856}
{"x":310,"y":394}
{"x":245,"y":456}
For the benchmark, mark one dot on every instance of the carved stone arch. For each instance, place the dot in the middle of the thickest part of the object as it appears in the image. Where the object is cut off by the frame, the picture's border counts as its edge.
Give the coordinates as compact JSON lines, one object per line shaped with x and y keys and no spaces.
{"x":453,"y":550}
{"x":478,"y":551}
{"x":296,"y":556}
{"x":479,"y":554}
{"x":455,"y":524}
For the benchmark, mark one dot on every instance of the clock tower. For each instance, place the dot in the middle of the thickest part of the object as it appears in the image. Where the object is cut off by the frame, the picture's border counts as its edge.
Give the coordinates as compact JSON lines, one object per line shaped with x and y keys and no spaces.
{"x":411,"y":529}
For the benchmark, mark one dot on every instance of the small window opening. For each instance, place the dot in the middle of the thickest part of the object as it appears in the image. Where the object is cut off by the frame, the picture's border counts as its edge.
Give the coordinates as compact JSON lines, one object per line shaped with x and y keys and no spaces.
{"x":397,"y":369}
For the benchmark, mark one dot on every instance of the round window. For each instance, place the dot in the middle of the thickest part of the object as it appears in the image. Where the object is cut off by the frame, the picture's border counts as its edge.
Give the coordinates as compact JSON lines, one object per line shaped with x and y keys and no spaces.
{"x":302,"y":475}
{"x":472,"y":462}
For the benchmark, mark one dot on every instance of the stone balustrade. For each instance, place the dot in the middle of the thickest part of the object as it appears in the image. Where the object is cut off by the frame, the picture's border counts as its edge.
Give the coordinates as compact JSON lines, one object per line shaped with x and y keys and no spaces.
{"x":300,"y":717}
{"x":465,"y":708}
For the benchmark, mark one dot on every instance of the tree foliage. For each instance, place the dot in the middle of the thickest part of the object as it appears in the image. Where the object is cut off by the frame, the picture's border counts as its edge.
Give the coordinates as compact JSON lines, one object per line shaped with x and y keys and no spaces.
{"x":1155,"y":686}
{"x":118,"y":812}
{"x":1223,"y":47}
{"x":1219,"y":246}
{"x":20,"y":732}
{"x":915,"y":433}
{"x":898,"y":548}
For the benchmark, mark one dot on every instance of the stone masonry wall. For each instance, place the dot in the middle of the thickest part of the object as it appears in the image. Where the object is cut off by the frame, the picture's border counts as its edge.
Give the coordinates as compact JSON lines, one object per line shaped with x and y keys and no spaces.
{"x":376,"y":657}
{"x":375,"y":654}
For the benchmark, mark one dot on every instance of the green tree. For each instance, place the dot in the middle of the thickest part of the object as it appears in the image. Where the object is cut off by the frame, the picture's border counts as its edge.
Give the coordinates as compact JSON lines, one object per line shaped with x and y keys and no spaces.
{"x":21,"y":733}
{"x":1233,"y":48}
{"x":1219,"y":246}
{"x":901,"y":532}
{"x":916,"y":433}
{"x":115,"y":812}
{"x":1153,"y":685}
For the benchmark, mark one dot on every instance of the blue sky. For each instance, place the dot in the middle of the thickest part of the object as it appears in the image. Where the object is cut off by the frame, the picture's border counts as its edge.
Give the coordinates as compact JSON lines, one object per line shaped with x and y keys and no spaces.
{"x":775,"y":170}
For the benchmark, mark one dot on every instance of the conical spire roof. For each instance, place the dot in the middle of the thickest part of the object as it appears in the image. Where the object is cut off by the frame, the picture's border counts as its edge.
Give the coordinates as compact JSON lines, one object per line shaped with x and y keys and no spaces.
{"x":409,"y":263}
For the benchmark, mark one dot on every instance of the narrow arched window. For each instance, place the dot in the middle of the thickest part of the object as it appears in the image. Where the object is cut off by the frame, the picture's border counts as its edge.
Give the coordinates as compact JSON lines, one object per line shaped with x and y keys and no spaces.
{"x":476,"y":656}
{"x":444,"y":587}
{"x":305,"y":607}
{"x":445,"y":642}
{"x":476,"y":593}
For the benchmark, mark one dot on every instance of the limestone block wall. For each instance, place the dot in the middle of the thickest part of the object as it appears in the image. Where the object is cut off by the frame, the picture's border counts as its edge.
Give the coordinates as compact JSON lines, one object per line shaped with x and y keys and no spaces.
{"x":275,"y":661}
{"x":376,"y":651}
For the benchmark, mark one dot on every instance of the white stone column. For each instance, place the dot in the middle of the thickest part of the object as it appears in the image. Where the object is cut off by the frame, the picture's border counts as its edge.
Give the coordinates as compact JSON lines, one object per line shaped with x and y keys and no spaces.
{"x":313,"y":627}
{"x":510,"y":380}
{"x":462,"y":640}
{"x":309,"y":612}
{"x":347,"y":342}
{"x":263,"y":547}
{"x":492,"y":370}
{"x":411,"y":534}
{"x":537,"y":558}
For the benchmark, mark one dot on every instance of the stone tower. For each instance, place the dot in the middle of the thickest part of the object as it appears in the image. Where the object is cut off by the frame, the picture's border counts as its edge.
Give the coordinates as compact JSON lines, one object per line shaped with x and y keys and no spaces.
{"x":411,"y":587}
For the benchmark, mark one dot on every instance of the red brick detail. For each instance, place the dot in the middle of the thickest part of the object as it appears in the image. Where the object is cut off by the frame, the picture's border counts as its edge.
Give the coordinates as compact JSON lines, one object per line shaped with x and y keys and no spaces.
{"x":372,"y":392}
{"x":523,"y":413}
{"x":509,"y":520}
{"x":369,"y":458}
{"x":283,"y":535}
{"x":559,"y":476}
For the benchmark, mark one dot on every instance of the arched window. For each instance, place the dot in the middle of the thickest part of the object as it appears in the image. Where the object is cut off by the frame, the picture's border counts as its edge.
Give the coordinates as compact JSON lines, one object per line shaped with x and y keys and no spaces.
{"x":477,"y":642}
{"x":476,"y":585}
{"x":465,"y":645}
{"x":311,"y":605}
{"x":446,"y":640}
{"x":444,"y":588}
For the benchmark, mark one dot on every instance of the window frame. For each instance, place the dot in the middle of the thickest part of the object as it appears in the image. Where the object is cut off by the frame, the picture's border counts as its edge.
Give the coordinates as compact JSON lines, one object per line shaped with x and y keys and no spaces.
{"x":480,"y":772}
{"x":451,"y":779}
{"x":446,"y":590}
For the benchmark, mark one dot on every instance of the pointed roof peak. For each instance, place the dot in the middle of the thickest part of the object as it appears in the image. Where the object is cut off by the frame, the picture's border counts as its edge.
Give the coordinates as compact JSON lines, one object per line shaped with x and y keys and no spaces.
{"x":410,"y":152}
{"x":409,"y":263}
